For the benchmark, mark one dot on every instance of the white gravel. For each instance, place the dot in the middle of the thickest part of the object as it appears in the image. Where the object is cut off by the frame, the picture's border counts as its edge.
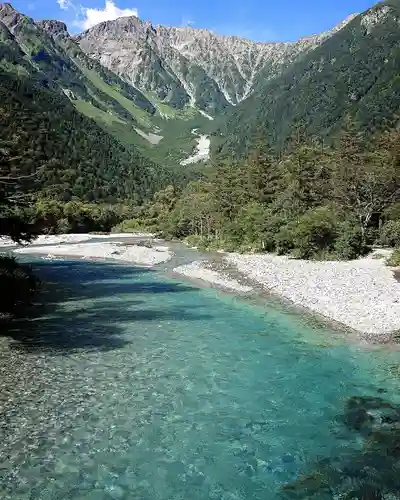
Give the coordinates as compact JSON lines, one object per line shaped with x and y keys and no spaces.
{"x":48,"y":239}
{"x":202,"y":152}
{"x":56,"y":239}
{"x":198,"y":270}
{"x":361,"y":294}
{"x":96,"y":250}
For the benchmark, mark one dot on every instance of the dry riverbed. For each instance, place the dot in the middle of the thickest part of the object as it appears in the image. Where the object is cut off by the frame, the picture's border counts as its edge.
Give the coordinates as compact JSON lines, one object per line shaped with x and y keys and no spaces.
{"x":115,"y":251}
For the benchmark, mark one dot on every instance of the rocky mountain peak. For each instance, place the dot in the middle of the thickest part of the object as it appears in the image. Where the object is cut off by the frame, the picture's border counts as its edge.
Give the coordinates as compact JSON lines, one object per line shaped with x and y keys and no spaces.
{"x":190,"y":62}
{"x":120,"y":28}
{"x":7,"y":8}
{"x":11,"y":17}
{"x":54,"y":28}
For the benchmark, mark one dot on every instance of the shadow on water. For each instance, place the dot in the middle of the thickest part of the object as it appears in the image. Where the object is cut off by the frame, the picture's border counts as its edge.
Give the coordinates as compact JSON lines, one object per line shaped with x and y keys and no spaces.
{"x":109,"y":295}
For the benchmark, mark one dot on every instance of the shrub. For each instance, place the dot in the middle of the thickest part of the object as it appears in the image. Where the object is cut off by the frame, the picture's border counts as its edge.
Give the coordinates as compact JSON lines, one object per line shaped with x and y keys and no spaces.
{"x":392,"y":212}
{"x":391,"y":233}
{"x":394,"y":259}
{"x":314,"y":232}
{"x":284,"y":240}
{"x":63,"y":226}
{"x":194,"y":240}
{"x":349,"y":244}
{"x":127,"y":226}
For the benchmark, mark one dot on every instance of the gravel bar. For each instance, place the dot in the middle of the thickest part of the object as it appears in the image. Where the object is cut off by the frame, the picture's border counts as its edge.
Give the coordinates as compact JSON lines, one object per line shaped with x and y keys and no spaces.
{"x":362,"y":294}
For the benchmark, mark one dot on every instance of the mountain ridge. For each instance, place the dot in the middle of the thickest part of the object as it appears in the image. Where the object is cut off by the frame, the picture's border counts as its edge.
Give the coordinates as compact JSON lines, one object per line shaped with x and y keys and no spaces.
{"x":150,"y":85}
{"x":352,"y":75}
{"x":232,"y":63}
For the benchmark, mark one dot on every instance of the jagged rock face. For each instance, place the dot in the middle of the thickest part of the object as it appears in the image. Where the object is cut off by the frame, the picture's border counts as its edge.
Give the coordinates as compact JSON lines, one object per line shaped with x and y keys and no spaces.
{"x":56,"y":29}
{"x":352,"y":75}
{"x":5,"y":34}
{"x":136,"y":51}
{"x":186,"y":65}
{"x":11,"y":17}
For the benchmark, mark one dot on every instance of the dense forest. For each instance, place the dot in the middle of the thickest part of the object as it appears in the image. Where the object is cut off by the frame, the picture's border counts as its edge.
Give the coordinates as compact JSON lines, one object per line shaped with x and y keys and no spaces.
{"x":42,"y":133}
{"x":314,"y":201}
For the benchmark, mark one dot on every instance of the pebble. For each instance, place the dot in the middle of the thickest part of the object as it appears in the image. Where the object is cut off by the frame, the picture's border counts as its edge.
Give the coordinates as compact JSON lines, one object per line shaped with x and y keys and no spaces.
{"x":361,"y":294}
{"x":198,"y":270}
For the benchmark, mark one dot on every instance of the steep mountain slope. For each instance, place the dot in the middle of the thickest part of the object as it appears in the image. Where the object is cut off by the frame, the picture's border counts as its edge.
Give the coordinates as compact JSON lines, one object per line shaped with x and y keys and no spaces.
{"x":51,"y":50}
{"x":189,"y":66}
{"x":353,"y":73}
{"x":151,"y":86}
{"x":42,"y":133}
{"x":134,"y":50}
{"x":98,"y":93}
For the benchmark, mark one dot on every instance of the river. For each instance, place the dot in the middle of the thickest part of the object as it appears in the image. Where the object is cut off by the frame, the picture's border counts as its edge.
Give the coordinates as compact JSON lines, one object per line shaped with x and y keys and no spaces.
{"x":136,"y":386}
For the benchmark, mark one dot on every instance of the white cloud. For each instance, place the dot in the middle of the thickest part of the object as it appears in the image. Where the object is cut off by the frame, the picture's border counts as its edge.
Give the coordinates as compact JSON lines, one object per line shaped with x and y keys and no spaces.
{"x":111,"y":11}
{"x":68,"y":5}
{"x":64,"y":4}
{"x":86,"y":18}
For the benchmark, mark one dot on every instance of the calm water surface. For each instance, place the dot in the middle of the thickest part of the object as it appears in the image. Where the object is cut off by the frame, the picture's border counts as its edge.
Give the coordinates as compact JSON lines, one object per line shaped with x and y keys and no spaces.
{"x":134,"y":386}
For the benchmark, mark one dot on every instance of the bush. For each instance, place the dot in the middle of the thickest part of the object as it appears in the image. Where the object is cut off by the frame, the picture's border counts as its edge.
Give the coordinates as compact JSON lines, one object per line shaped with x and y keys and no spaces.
{"x":20,"y":284}
{"x":194,"y":240}
{"x":391,"y":233}
{"x":284,"y":240}
{"x":394,"y":259}
{"x":349,"y":244}
{"x":314,"y":232}
{"x":392,"y":212}
{"x":127,"y":226}
{"x":134,"y":225}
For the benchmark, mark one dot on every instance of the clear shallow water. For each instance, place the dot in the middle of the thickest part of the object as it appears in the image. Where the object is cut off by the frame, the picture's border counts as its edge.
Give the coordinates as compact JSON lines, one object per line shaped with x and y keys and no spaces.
{"x":139,"y":387}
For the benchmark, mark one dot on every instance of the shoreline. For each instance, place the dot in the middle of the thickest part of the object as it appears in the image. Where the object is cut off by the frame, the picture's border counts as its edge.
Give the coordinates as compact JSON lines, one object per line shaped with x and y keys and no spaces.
{"x":58,"y":239}
{"x":203,"y":271}
{"x":128,"y":253}
{"x":265,"y":298}
{"x":360,"y":297}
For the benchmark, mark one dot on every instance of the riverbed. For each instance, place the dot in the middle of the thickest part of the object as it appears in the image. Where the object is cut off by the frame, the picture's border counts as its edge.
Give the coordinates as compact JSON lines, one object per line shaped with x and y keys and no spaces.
{"x":133,"y":385}
{"x":202,"y":151}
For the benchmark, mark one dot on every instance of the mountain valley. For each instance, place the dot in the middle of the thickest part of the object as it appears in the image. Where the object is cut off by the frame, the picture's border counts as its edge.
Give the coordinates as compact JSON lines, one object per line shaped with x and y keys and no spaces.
{"x":150,"y":86}
{"x":146,"y":89}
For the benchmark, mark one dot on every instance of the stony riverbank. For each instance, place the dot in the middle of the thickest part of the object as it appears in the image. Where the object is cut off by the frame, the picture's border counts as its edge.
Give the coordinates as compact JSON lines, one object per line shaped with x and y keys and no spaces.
{"x":136,"y":254}
{"x":56,"y":239}
{"x":201,"y":270}
{"x":362,"y":294}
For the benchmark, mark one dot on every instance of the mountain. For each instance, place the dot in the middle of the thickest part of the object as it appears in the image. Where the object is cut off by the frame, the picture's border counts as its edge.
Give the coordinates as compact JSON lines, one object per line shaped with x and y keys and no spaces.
{"x":43,"y":133}
{"x":352,"y":74}
{"x":51,"y":54}
{"x":151,"y":86}
{"x":185,"y":65}
{"x":51,"y":51}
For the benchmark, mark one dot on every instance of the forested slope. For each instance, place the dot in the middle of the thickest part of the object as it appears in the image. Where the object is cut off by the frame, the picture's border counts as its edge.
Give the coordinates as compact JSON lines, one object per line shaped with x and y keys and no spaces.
{"x":40,"y":131}
{"x":355,"y":73}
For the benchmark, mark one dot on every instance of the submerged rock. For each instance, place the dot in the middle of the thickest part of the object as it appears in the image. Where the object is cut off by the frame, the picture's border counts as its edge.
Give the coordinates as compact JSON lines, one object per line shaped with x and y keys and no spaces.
{"x":372,"y":473}
{"x":370,"y":413}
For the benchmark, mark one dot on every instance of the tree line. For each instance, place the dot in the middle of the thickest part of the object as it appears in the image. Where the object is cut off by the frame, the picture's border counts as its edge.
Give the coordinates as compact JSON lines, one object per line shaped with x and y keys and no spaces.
{"x":314,"y":202}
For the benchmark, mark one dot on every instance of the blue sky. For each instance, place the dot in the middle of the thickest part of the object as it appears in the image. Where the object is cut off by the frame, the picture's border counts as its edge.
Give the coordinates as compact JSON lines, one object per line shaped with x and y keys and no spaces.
{"x":260,"y":20}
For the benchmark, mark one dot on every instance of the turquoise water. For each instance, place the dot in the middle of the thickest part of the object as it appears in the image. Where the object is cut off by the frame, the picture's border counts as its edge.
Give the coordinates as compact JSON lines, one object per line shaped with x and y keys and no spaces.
{"x":139,"y":387}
